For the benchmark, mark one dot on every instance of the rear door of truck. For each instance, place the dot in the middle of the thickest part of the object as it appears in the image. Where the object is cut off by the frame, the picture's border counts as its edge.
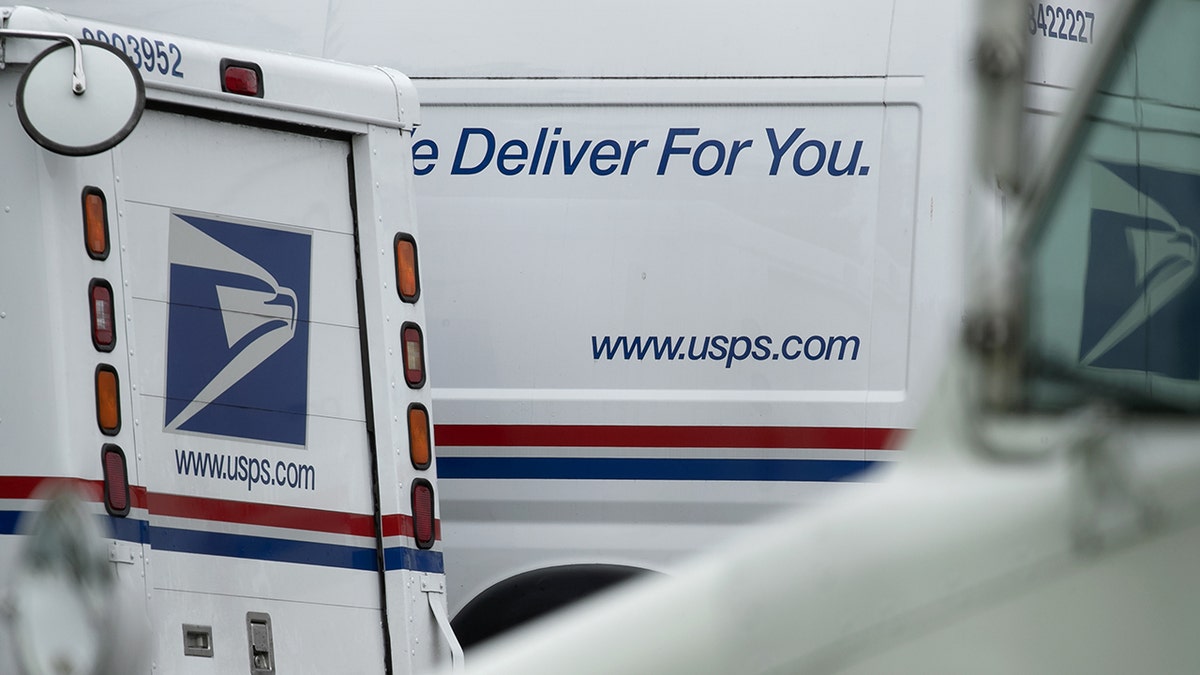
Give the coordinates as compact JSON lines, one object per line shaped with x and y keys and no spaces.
{"x":238,"y":254}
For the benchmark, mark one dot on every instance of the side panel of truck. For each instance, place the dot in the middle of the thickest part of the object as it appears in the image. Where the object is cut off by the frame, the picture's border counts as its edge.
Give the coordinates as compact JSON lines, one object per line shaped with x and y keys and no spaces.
{"x":677,"y":297}
{"x":668,"y":307}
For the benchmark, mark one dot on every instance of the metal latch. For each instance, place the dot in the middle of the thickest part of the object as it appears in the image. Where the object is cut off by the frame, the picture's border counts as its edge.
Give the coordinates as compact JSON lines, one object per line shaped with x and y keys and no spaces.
{"x":262,"y":647}
{"x":197,"y":640}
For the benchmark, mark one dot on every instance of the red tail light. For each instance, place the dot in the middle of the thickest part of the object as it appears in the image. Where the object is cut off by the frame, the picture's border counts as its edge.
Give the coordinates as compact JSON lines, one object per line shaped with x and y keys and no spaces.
{"x":422,"y":513}
{"x":414,"y":355}
{"x":116,"y":480}
{"x":241,"y":77}
{"x":104,"y":320}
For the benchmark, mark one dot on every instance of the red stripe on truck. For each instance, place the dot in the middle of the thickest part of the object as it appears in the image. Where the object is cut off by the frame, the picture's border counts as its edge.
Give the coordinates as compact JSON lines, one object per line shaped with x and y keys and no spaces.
{"x":636,"y":436}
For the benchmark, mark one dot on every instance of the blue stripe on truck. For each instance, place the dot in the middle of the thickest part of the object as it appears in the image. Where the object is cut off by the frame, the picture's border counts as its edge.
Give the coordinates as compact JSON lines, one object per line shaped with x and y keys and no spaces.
{"x":256,"y":547}
{"x":622,"y":468}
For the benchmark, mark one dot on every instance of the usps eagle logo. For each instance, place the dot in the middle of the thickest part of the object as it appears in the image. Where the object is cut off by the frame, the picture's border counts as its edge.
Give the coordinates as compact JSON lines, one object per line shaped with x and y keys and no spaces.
{"x":237,"y":329}
{"x":1142,"y":294}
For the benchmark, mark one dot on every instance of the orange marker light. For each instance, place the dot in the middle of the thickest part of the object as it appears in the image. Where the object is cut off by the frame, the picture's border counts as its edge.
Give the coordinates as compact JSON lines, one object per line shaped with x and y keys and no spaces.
{"x":419,"y":449}
{"x":407,"y":281}
{"x":108,"y":401}
{"x":95,"y":223}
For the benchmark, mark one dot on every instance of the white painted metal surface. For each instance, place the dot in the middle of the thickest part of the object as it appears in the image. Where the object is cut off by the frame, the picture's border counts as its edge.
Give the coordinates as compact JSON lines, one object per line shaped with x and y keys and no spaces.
{"x":651,"y":458}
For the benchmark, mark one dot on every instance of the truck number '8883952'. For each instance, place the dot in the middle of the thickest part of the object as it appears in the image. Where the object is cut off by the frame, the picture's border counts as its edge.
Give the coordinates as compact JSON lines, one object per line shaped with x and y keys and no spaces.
{"x":147,"y":54}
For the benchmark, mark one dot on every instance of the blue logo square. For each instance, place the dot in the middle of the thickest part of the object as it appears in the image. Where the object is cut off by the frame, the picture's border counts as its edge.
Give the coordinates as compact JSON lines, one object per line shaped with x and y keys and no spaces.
{"x":237,"y":330}
{"x":1142,"y":292}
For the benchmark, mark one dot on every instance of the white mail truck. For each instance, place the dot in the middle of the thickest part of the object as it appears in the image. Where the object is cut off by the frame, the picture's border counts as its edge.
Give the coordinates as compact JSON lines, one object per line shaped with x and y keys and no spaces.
{"x":212,"y":329}
{"x":1047,"y":516}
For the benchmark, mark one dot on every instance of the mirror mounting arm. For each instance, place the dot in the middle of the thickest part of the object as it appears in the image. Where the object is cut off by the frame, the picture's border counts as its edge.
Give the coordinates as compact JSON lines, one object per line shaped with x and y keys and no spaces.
{"x":78,"y":82}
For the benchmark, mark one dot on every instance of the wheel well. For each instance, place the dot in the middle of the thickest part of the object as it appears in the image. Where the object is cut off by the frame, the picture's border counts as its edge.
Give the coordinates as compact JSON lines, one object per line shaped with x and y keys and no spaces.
{"x":527,"y":596}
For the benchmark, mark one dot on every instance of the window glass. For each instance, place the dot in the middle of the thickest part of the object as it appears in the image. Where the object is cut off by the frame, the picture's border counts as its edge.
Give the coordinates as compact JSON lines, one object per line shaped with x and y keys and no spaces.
{"x":1113,"y":294}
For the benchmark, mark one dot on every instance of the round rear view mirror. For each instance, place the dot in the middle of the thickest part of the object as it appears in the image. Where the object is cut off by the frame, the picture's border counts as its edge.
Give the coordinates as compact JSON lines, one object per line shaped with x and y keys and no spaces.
{"x":91,"y":122}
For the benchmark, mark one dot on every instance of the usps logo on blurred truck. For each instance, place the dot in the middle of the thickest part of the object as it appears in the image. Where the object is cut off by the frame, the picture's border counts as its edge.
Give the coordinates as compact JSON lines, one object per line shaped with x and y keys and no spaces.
{"x":1142,"y":294}
{"x":237,"y":329}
